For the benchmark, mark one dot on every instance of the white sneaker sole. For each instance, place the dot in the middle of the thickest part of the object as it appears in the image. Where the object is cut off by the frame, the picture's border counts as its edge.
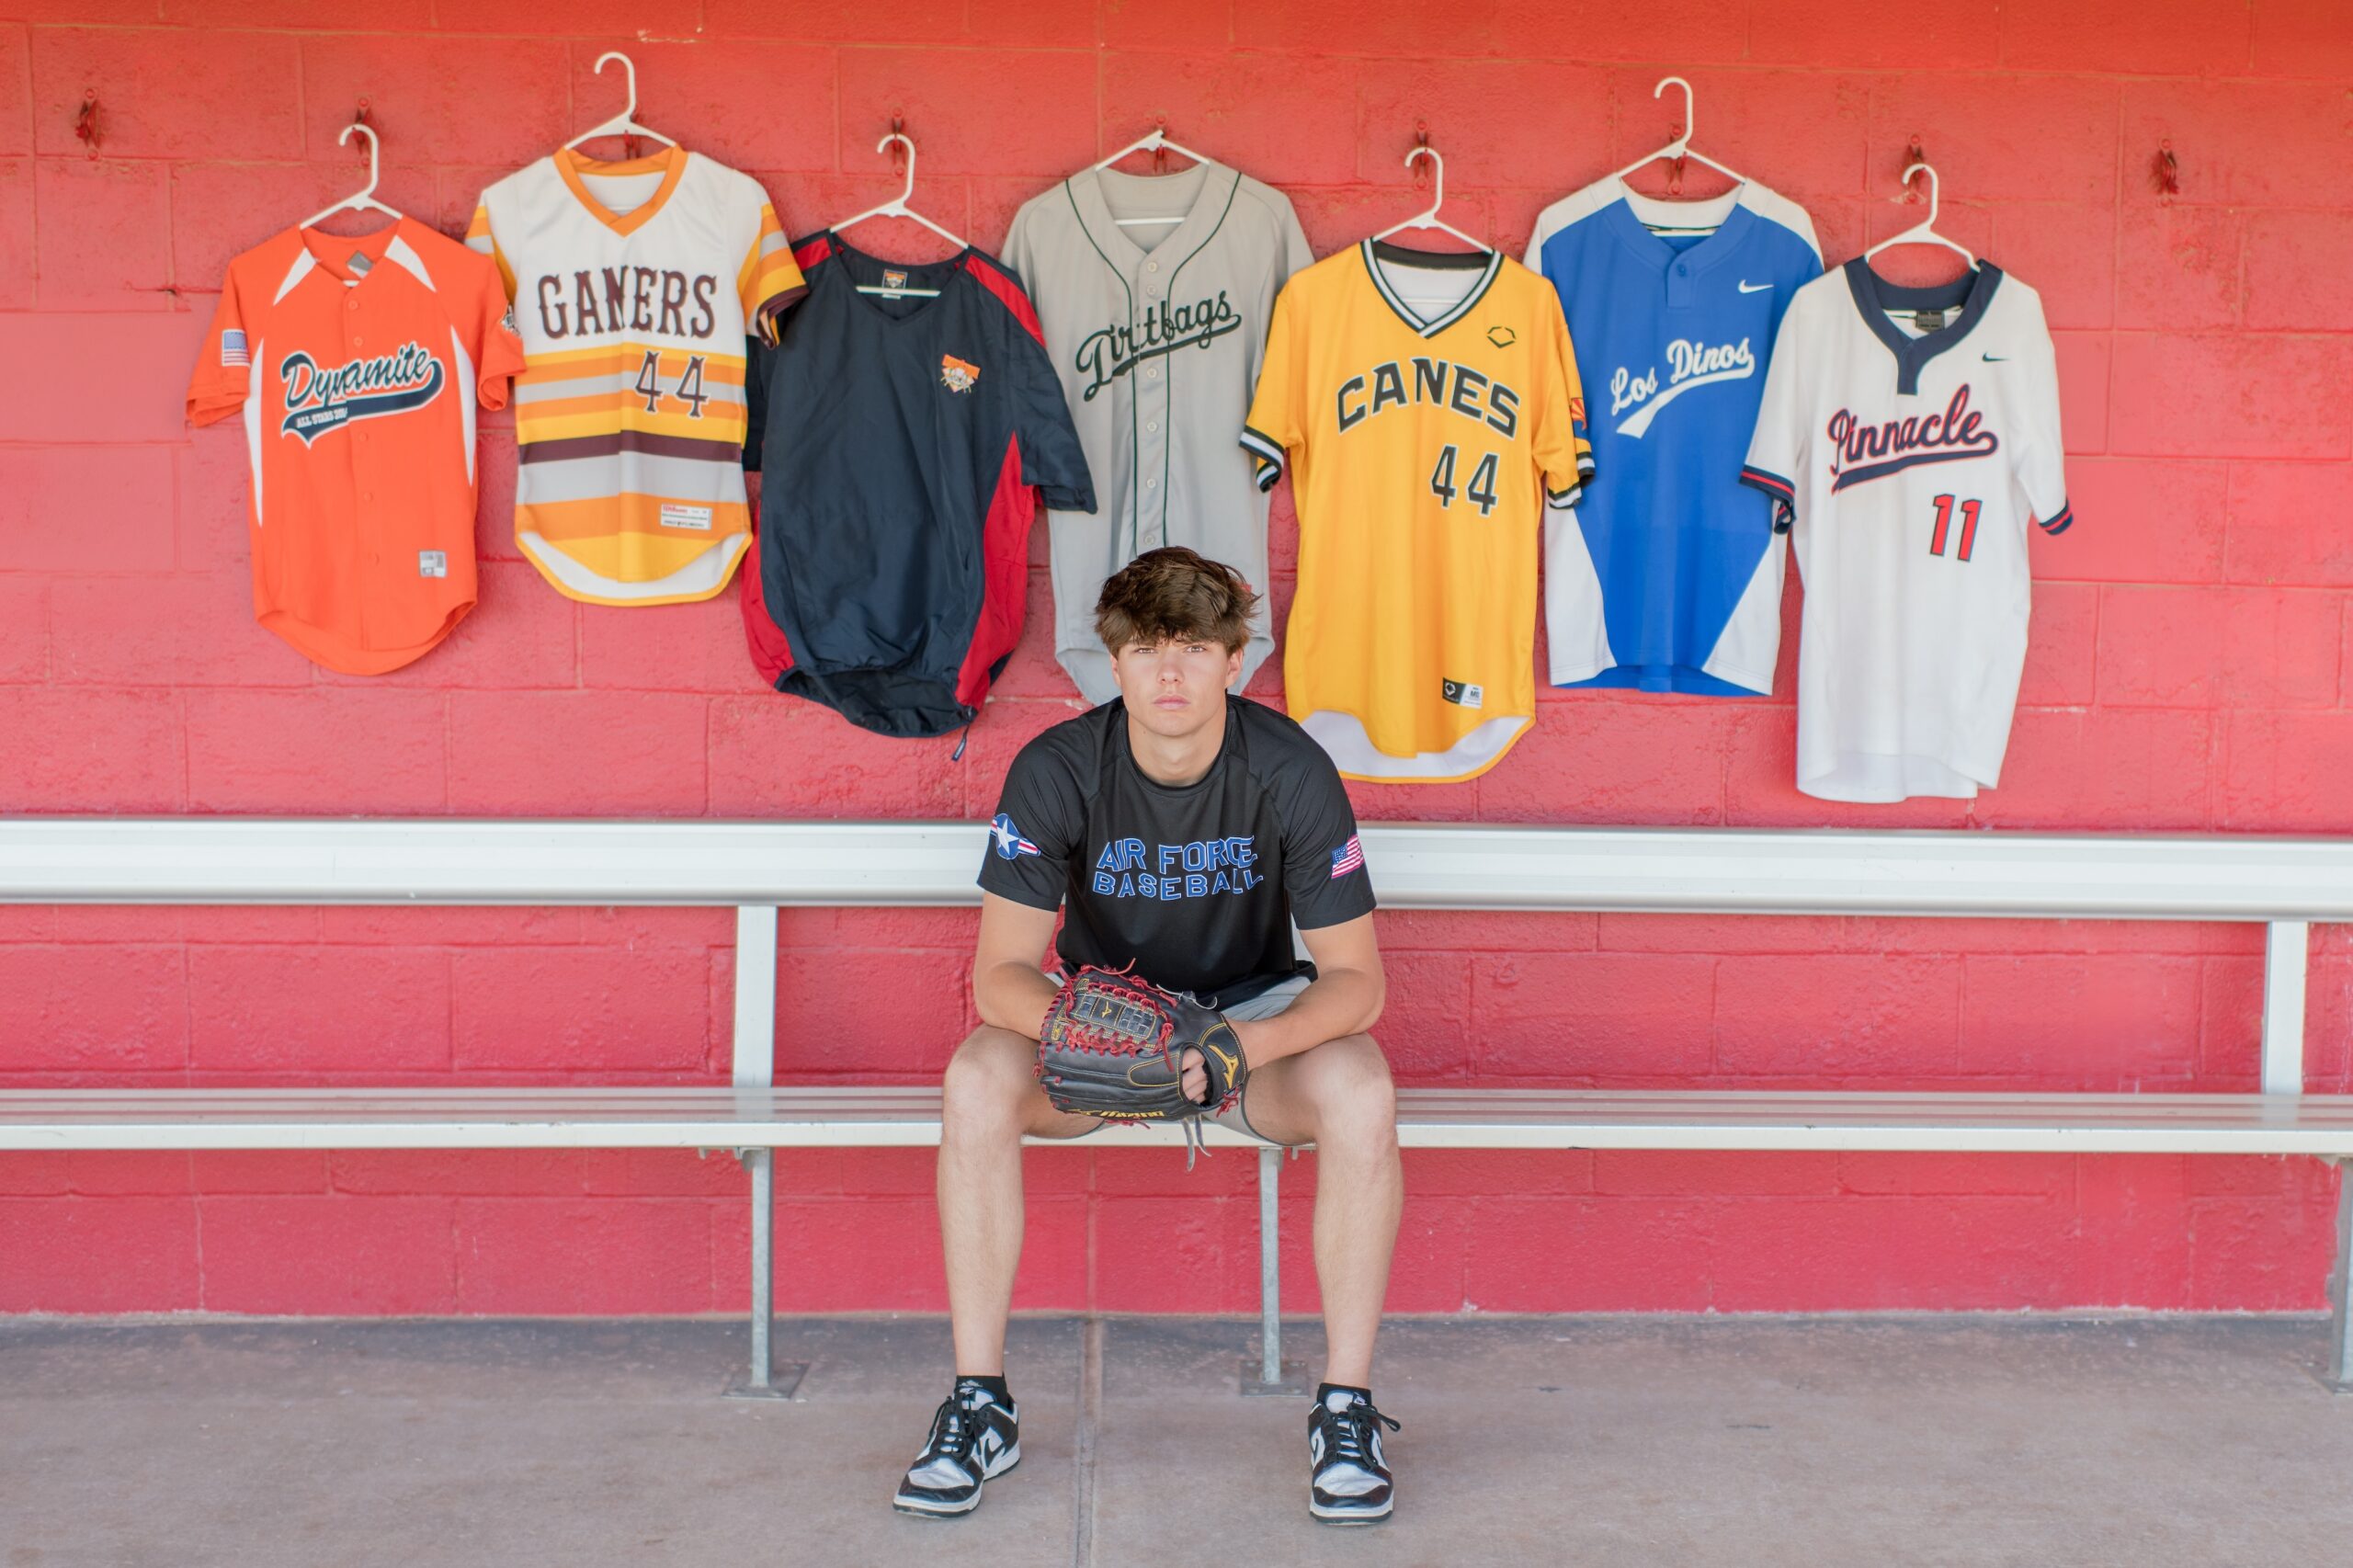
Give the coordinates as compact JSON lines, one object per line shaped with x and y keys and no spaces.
{"x":1346,"y":1515}
{"x":929,"y":1508}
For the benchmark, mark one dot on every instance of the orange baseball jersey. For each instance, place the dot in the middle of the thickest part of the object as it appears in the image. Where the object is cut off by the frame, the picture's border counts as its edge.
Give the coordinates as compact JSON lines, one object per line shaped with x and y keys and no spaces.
{"x":358,"y":365}
{"x":635,"y":285}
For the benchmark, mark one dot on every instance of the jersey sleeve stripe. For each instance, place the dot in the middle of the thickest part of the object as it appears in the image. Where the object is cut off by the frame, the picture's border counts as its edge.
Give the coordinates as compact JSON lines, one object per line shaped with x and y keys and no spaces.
{"x":566,"y":449}
{"x":2060,"y":521}
{"x":1784,"y":495}
{"x":1269,"y":454}
{"x":1561,"y":500}
{"x":774,"y":286}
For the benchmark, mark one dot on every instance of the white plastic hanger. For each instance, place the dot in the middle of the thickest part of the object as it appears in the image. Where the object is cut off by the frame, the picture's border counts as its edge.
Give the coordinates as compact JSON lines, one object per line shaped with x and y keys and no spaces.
{"x":897,"y":207}
{"x":1925,"y":232}
{"x":624,"y":123}
{"x":364,"y":198}
{"x":1429,"y":218}
{"x":1678,"y":149}
{"x":1152,"y":141}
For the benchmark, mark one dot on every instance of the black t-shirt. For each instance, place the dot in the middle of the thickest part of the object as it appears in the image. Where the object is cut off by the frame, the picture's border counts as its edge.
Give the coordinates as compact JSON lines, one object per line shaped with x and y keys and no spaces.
{"x":1196,"y":885}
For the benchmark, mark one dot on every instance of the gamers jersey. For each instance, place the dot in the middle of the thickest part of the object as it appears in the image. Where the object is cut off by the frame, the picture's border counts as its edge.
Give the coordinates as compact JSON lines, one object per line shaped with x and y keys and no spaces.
{"x":634,"y":285}
{"x":1667,"y":576}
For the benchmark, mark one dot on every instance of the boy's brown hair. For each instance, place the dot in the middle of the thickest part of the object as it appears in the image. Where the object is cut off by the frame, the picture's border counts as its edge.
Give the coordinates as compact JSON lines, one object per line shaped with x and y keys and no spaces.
{"x":1174,"y":595}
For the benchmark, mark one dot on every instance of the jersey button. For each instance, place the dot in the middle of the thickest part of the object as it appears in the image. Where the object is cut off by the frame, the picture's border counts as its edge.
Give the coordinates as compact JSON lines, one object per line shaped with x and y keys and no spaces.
{"x":1152,"y":266}
{"x":1152,"y":424}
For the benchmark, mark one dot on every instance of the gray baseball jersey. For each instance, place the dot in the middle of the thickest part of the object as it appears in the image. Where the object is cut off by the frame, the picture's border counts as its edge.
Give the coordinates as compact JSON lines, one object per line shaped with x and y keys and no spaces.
{"x":1157,"y":332}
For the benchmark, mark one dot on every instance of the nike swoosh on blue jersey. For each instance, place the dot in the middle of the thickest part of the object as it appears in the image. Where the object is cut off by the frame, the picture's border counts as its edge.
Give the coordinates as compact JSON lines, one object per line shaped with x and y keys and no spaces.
{"x":1748,"y":288}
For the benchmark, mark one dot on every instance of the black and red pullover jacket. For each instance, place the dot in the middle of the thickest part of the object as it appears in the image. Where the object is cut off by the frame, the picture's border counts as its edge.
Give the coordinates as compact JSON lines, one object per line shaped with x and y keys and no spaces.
{"x":902,"y":445}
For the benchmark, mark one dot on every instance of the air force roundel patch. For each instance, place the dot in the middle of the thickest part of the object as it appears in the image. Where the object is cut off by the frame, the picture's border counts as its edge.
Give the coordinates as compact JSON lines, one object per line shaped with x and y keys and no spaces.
{"x":1009,"y":841}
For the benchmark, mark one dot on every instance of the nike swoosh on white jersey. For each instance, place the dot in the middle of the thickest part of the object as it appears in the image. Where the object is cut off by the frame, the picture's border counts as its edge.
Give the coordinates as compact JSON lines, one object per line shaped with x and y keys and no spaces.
{"x":1748,"y":288}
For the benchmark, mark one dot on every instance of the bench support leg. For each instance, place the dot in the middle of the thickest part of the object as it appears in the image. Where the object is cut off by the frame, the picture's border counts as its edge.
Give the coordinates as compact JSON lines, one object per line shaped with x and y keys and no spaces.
{"x":2340,"y":1287}
{"x":766,"y":1380}
{"x":1269,"y":1373}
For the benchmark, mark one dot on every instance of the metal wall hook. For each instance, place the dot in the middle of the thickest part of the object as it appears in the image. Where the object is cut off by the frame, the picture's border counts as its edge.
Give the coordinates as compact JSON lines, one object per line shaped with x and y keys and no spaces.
{"x":1928,"y":170}
{"x":1436,"y":172}
{"x":1682,"y":142}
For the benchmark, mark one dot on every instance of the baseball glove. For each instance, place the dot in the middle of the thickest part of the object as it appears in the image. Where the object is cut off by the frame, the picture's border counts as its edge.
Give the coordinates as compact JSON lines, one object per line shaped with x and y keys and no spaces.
{"x":1111,"y":1044}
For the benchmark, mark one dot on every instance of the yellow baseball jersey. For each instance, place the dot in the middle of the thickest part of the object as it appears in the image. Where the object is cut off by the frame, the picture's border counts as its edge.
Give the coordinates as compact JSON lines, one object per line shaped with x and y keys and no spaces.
{"x":1429,"y":407}
{"x":634,"y":286}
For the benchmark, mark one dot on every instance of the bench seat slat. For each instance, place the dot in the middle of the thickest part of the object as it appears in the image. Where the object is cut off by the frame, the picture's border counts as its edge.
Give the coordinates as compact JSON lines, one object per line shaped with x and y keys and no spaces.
{"x":880,"y":1116}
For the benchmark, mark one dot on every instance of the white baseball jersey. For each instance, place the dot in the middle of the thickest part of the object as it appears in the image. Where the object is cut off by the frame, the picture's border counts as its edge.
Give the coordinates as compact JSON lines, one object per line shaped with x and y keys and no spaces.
{"x":634,"y":286}
{"x":1157,"y":332}
{"x":1911,"y":433}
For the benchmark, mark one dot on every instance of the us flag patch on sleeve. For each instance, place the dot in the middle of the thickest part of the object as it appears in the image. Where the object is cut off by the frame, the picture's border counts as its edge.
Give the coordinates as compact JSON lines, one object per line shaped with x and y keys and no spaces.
{"x":232,"y":347}
{"x":1348,"y":856}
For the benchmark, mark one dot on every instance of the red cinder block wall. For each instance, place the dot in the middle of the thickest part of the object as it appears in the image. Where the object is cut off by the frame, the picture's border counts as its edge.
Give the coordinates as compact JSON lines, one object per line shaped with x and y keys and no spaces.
{"x":2189,"y":668}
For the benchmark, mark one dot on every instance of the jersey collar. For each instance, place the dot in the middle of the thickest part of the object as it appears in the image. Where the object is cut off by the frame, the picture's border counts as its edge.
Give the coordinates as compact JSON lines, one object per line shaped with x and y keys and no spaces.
{"x":317,"y":253}
{"x":1633,"y":211}
{"x":1212,"y":200}
{"x":1875,"y":296}
{"x":671,"y":162}
{"x":853,"y":266}
{"x":1375,"y":252}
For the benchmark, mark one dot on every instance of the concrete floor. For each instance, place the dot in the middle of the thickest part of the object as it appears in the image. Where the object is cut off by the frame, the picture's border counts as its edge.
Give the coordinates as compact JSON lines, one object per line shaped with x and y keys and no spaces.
{"x":1809,"y":1442}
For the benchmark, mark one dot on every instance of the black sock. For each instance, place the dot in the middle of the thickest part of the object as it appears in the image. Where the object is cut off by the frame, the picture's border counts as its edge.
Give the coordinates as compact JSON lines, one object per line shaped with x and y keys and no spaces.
{"x":996,"y":1385}
{"x":1324,"y":1389}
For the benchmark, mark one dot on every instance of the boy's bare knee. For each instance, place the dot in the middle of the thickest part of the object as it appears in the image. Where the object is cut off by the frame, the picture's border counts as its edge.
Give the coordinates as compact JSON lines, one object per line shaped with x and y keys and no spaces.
{"x":1356,"y":1100}
{"x":986,"y":1082}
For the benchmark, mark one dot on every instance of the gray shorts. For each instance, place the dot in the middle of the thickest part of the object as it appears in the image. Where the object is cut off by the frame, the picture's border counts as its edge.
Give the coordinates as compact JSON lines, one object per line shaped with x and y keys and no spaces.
{"x":1265,"y":1004}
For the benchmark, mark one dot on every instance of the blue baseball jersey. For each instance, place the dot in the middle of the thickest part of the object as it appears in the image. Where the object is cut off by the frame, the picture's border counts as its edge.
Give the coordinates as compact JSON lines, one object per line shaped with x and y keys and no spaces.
{"x":1666,"y":574}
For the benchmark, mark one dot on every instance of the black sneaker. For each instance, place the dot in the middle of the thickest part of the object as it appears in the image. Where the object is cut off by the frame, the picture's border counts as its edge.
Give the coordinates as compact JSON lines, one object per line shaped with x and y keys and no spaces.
{"x":1349,"y":1482}
{"x":973,"y":1438}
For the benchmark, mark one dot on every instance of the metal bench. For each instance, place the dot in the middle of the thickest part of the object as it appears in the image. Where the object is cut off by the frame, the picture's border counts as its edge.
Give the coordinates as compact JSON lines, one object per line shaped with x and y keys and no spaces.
{"x":2285,"y":883}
